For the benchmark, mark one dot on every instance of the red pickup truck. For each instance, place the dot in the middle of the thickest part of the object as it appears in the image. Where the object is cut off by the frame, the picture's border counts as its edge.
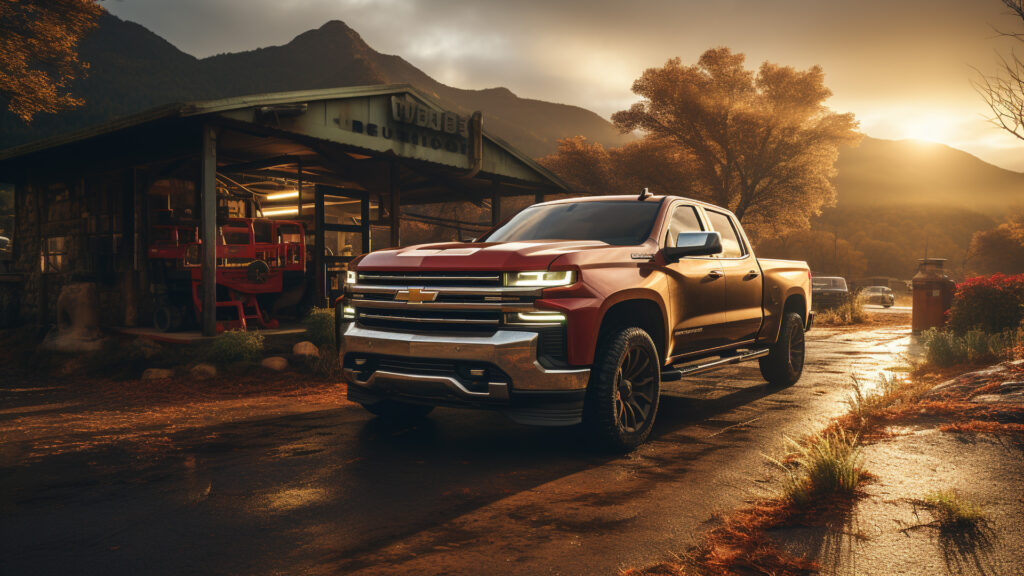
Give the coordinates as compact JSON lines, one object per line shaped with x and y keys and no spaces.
{"x":573,"y":311}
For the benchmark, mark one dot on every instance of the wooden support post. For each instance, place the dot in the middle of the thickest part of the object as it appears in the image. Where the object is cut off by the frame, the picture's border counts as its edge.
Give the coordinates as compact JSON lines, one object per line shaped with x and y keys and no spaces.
{"x":395,"y":188}
{"x":538,"y":197}
{"x":495,"y":202}
{"x":208,"y":231}
{"x":320,"y":235}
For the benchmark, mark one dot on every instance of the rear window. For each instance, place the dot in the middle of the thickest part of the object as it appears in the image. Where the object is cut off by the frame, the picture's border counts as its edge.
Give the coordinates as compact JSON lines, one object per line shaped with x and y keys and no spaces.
{"x":826,"y":283}
{"x":619,"y":223}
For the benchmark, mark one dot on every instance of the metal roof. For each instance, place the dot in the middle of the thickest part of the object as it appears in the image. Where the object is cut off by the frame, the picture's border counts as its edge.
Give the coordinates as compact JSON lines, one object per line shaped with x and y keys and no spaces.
{"x":200,"y":108}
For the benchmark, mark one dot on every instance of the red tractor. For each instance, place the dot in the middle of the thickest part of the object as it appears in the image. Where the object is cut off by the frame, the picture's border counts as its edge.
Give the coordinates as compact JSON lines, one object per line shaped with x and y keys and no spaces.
{"x":260,"y":263}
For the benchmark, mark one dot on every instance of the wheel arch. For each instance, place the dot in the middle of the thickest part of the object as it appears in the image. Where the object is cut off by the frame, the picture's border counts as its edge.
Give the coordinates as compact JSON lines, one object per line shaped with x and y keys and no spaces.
{"x":644,"y":313}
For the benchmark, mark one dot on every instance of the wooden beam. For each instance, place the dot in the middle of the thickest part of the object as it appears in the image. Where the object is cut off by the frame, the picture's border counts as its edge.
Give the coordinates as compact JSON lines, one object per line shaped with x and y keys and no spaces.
{"x":284,"y":160}
{"x":395,"y":189}
{"x":208,"y":231}
{"x":495,"y":202}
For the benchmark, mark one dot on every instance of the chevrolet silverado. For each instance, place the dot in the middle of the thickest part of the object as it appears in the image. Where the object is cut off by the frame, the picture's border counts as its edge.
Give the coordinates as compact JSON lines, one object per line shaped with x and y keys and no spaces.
{"x":572,"y":312}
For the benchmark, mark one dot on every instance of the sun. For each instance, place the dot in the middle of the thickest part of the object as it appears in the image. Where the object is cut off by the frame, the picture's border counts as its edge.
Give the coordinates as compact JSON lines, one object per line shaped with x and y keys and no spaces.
{"x":930,"y":128}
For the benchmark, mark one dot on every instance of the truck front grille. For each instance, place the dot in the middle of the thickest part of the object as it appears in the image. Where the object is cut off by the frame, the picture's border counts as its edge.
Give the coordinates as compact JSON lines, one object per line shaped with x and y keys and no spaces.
{"x":431,"y":279}
{"x":425,"y":301}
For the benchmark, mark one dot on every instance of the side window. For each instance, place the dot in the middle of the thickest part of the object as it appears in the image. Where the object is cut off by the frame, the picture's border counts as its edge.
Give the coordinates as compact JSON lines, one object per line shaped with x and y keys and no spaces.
{"x":684,"y":219}
{"x":732,"y":247}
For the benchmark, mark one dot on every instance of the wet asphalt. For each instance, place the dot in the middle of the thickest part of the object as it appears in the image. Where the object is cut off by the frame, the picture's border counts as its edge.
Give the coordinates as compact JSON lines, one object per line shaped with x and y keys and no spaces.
{"x":465,"y":492}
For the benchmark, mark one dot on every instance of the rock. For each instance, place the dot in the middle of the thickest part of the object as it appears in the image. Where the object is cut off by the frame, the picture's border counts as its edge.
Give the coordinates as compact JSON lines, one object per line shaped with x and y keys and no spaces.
{"x":306,"y":348}
{"x":148,"y":348}
{"x":157,"y":374}
{"x":203,"y":370}
{"x":275,"y":363}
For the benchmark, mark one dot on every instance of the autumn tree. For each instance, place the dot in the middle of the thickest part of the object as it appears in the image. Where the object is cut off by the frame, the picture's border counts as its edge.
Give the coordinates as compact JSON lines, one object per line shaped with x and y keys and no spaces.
{"x":825,"y":253}
{"x":592,"y":168}
{"x":39,"y":53}
{"x":999,"y":250}
{"x":761,"y":143}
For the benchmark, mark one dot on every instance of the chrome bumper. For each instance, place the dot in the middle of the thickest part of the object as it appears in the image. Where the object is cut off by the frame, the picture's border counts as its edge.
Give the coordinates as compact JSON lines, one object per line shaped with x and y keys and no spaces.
{"x":531,"y":394}
{"x":512,"y":351}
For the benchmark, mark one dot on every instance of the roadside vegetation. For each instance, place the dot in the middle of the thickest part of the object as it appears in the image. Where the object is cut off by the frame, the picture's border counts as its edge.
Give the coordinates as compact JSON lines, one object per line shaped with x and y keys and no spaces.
{"x":236,"y":346}
{"x":849,"y":313}
{"x":952,"y":512}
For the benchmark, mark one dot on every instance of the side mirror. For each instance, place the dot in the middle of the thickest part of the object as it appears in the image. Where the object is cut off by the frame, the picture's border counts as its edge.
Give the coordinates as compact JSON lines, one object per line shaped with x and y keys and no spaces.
{"x":694,"y":244}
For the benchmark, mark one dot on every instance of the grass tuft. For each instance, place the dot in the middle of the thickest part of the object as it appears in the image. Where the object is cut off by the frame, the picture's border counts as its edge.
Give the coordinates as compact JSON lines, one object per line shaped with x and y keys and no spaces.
{"x":827,"y":464}
{"x":953,"y":512}
{"x":848,"y":313}
{"x":946,"y":348}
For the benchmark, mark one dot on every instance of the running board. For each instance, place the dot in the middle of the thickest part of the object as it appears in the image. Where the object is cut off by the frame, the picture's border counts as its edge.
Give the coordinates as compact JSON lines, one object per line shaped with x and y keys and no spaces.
{"x":678,"y":374}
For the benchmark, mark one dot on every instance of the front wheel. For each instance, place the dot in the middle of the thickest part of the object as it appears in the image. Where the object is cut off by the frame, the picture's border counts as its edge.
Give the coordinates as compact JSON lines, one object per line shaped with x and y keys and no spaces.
{"x":785,"y":361}
{"x":622,"y":396}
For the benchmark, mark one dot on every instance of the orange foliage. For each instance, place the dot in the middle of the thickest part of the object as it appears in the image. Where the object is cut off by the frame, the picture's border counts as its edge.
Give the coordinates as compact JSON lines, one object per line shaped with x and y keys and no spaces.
{"x":38,"y":53}
{"x":761,"y":143}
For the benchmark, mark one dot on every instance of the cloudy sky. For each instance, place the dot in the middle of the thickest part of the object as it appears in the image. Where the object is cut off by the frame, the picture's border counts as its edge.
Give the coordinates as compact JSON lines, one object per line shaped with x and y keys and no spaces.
{"x":904,"y":67}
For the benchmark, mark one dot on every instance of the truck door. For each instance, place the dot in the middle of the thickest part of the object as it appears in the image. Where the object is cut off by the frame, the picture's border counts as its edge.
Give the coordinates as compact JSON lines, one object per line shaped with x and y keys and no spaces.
{"x":696,"y":298}
{"x":743,"y":283}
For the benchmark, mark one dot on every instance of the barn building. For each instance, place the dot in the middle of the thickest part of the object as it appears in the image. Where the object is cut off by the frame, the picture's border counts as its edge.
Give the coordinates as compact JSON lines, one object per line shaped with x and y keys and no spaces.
{"x":127,"y":205}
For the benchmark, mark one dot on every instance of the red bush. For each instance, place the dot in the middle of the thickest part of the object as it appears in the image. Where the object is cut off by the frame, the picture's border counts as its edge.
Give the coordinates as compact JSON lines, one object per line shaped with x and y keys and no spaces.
{"x":990,"y":303}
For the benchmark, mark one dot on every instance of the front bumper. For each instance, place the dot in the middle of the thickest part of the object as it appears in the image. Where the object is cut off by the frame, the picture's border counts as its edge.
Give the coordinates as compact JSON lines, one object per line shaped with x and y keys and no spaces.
{"x":434,"y":369}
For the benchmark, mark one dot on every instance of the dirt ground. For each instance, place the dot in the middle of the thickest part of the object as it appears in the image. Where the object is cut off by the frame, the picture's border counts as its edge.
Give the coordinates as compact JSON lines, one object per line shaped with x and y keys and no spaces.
{"x":279,"y":474}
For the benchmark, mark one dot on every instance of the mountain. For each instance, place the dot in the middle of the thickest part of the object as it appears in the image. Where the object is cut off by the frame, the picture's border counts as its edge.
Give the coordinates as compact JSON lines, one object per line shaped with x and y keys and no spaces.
{"x":132,"y":69}
{"x":886,"y":173}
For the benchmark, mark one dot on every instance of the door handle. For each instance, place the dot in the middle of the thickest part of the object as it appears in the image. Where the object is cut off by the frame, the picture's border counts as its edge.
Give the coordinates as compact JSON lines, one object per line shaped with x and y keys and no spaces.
{"x":715,"y":274}
{"x":753,"y":274}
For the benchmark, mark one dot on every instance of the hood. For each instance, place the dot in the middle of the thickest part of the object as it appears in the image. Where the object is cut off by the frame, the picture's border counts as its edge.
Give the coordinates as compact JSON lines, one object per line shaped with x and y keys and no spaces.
{"x":534,"y":255}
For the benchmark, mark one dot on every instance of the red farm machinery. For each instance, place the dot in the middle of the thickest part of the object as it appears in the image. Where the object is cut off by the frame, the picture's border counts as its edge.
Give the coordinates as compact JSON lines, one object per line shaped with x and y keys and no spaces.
{"x":261,"y":268}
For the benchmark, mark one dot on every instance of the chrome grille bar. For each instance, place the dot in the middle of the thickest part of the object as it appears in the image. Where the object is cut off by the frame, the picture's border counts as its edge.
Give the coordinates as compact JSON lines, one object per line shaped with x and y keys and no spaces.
{"x":429,"y":320}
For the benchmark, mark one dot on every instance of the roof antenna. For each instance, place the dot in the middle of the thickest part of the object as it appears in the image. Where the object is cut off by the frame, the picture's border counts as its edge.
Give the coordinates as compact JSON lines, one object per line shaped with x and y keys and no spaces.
{"x":643,"y":195}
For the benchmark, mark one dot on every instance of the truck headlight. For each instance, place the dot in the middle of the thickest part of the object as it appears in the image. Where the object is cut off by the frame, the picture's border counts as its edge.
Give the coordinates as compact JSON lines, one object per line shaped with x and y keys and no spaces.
{"x":540,"y":279}
{"x":541,"y":317}
{"x":348,"y":313}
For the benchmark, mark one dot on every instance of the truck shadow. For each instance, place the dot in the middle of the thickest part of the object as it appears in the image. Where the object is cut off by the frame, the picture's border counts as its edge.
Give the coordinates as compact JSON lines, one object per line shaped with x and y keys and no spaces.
{"x":328,"y":487}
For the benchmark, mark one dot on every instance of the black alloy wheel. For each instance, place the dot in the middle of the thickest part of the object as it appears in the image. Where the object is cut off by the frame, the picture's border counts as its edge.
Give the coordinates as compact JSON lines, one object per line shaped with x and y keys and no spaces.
{"x":785,"y":361}
{"x":634,"y":390}
{"x":622,"y":396}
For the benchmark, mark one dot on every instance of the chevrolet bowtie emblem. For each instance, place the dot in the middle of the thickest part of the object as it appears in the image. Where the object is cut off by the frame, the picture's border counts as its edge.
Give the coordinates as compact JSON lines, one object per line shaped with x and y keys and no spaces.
{"x":415,"y":296}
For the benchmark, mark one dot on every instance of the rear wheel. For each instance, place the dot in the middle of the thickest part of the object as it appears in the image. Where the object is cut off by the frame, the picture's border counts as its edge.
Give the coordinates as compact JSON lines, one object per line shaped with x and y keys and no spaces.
{"x":785,"y":361}
{"x":622,"y":396}
{"x":396,"y":411}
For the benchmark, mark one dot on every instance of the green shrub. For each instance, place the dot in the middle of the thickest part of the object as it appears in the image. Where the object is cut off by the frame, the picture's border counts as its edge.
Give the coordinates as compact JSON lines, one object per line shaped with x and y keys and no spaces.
{"x":828,"y":464}
{"x":320,"y":326}
{"x":991,"y":304}
{"x":236,"y":346}
{"x":947,"y":348}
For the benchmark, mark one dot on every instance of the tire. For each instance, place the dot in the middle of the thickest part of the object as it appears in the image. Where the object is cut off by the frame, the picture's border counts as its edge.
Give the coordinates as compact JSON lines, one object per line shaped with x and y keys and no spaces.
{"x":785,"y":361}
{"x":395,"y":411}
{"x":622,"y":395}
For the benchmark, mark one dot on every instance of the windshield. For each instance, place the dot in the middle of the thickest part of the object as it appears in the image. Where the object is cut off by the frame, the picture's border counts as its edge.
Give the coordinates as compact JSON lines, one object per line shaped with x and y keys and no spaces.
{"x":619,"y":223}
{"x":825,"y":283}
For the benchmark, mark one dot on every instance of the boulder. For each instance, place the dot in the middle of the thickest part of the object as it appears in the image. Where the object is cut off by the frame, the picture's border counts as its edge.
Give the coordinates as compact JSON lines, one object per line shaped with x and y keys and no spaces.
{"x":203,"y":370}
{"x":275,"y":363}
{"x":157,"y":374}
{"x":306,"y":348}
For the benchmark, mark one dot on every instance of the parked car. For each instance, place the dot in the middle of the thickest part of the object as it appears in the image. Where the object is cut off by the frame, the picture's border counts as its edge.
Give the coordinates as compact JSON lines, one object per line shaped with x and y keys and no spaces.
{"x":882,"y":295}
{"x":829,"y":292}
{"x":574,"y":311}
